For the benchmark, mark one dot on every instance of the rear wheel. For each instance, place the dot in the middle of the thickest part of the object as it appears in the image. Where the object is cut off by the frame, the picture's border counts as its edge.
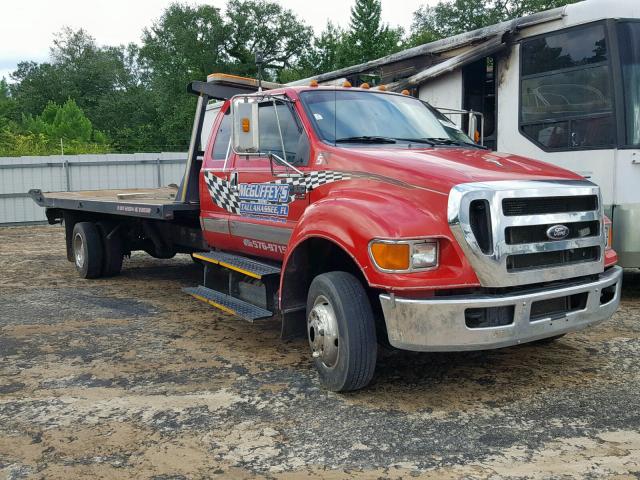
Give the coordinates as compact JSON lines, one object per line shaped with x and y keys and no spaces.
{"x":87,"y":250}
{"x":341,"y":331}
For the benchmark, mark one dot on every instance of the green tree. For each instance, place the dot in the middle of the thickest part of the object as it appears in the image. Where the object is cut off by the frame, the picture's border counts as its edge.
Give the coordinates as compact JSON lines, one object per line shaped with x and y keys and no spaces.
{"x":368,"y":37}
{"x":326,"y":53}
{"x":67,"y":122}
{"x":42,"y":134}
{"x":452,"y":17}
{"x":277,"y":32}
{"x":186,"y":43}
{"x":105,"y":82}
{"x":7,"y":105}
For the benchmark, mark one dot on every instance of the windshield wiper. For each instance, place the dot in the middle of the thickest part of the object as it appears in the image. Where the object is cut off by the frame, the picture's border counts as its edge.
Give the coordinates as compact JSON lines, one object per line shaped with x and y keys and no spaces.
{"x":417,"y":140}
{"x":366,"y":139}
{"x":433,"y":141}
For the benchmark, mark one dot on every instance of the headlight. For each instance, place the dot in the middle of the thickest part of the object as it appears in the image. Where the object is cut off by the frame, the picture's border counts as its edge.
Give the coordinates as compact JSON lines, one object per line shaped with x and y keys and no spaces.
{"x":424,"y":255}
{"x":404,"y":255}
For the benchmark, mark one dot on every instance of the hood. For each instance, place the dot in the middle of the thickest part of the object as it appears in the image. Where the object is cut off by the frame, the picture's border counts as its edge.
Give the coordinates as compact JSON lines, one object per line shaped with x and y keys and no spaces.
{"x":441,"y":169}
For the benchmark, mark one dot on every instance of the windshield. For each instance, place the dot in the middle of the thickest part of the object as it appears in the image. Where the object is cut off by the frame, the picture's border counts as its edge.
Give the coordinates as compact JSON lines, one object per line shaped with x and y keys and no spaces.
{"x":629,"y":41}
{"x":343,"y":117}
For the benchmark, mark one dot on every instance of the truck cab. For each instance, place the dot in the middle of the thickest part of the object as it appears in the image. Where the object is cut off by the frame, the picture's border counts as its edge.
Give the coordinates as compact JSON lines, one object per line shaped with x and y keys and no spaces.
{"x":359,"y":216}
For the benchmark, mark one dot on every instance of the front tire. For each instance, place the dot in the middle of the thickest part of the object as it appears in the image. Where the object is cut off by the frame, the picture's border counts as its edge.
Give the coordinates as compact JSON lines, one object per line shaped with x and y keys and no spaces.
{"x":88,"y":251}
{"x":341,"y":331}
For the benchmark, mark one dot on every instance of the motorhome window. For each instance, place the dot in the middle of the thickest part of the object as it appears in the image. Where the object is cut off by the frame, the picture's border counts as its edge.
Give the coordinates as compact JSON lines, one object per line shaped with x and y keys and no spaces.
{"x":565,"y":92}
{"x":295,"y":140}
{"x":629,"y":46}
{"x":357,"y":115}
{"x":223,"y":135}
{"x":572,"y":48}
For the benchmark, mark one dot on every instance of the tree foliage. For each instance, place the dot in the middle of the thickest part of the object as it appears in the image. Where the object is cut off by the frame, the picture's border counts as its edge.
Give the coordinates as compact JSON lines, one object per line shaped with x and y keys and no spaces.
{"x":451,"y":17}
{"x":368,"y":37}
{"x":58,"y":126}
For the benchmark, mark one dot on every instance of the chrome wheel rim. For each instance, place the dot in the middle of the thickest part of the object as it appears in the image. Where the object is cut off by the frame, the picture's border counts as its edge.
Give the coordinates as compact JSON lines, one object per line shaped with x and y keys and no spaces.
{"x":322,"y":329}
{"x":78,"y":250}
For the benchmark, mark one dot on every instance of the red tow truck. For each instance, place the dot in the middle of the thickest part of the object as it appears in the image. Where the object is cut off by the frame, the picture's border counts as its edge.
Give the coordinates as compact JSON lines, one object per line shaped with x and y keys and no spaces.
{"x":360,"y":216}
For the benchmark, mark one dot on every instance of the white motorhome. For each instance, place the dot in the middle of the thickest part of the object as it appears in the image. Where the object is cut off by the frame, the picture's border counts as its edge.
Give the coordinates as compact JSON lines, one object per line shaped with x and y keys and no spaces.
{"x":562,"y":86}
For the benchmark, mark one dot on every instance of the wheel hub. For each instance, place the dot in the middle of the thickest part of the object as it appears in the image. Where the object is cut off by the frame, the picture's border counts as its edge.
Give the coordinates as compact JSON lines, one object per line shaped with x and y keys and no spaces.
{"x":322,"y":328}
{"x":78,"y":250}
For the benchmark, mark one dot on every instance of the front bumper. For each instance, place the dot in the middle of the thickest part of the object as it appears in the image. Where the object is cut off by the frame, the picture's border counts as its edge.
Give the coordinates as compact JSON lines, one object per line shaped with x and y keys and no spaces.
{"x":438,"y":324}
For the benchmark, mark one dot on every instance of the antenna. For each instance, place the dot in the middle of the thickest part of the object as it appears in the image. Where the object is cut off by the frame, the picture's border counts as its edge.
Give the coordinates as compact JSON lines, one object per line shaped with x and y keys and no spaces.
{"x":259,"y":62}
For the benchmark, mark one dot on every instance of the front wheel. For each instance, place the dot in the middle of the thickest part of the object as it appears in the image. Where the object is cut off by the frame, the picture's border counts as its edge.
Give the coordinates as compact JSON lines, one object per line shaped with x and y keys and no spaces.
{"x":341,"y":331}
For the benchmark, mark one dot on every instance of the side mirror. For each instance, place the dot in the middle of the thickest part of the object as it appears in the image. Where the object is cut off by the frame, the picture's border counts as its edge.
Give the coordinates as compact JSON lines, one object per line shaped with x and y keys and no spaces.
{"x":245,"y":125}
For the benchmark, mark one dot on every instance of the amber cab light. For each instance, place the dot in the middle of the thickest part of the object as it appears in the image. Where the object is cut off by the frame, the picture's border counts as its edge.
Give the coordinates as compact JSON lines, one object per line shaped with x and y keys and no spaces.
{"x":390,"y":256}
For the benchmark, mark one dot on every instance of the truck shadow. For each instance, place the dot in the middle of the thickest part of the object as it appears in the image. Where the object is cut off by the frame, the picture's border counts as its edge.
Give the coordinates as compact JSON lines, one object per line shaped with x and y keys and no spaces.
{"x":631,"y":284}
{"x":412,"y":381}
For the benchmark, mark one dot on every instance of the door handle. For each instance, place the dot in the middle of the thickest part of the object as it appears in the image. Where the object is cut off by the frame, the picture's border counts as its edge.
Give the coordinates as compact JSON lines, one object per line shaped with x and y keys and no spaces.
{"x":234,"y":179}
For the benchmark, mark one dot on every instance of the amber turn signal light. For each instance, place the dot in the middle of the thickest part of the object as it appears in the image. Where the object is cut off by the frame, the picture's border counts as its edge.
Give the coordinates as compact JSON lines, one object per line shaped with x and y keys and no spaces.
{"x":246,"y":125}
{"x":390,"y":256}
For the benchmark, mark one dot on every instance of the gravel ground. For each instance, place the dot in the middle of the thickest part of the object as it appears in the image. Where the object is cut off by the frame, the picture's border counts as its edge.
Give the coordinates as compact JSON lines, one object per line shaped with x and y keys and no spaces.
{"x":130,"y":377}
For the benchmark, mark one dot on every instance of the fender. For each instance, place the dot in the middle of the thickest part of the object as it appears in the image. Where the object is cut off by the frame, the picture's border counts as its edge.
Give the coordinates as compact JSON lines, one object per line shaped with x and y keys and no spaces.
{"x":351,"y":217}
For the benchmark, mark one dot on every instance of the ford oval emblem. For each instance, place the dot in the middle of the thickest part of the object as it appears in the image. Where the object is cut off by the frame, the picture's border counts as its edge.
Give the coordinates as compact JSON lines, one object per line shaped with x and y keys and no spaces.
{"x":557,"y":232}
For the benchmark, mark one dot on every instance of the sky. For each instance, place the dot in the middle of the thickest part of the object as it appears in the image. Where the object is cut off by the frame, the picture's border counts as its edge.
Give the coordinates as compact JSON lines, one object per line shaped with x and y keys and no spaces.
{"x":27,"y":28}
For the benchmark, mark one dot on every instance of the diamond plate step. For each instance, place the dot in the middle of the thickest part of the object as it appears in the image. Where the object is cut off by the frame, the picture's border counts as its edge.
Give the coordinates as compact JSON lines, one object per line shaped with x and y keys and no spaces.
{"x":247,"y":266}
{"x":228,"y":304}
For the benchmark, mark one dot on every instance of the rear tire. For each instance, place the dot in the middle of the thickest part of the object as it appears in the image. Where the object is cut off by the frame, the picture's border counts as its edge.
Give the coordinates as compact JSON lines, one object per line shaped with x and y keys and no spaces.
{"x":341,"y":331}
{"x":88,"y":252}
{"x":113,"y":250}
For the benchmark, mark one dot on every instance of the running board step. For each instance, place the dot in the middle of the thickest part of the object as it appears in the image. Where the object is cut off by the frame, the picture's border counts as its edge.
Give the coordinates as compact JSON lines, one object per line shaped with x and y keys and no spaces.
{"x":246,"y":266}
{"x":228,"y":304}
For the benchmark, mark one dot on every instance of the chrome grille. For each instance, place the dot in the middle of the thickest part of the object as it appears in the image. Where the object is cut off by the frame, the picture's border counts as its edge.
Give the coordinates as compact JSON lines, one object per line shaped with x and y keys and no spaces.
{"x":515,"y":220}
{"x":541,"y":205}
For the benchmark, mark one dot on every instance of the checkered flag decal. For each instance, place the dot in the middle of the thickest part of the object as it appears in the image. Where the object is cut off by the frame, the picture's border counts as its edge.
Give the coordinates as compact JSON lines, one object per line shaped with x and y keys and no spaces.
{"x":222,"y":193}
{"x":226,"y":196}
{"x":314,"y":180}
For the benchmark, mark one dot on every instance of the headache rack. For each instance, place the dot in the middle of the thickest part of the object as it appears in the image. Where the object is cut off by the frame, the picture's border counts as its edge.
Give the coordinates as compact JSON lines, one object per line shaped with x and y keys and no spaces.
{"x":219,"y":86}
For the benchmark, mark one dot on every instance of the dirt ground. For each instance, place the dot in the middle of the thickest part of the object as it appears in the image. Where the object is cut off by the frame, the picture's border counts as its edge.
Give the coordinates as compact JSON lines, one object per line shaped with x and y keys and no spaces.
{"x":131,"y":378}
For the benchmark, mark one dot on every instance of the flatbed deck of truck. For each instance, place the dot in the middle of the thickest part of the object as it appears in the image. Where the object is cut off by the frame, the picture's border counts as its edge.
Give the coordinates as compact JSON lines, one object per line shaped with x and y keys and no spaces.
{"x":156,"y":203}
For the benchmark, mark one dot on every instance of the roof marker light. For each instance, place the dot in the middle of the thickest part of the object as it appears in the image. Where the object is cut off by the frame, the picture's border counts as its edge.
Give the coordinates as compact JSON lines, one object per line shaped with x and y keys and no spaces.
{"x":382,"y":88}
{"x":346,"y":84}
{"x":313,"y":83}
{"x":365,"y":85}
{"x":405,"y":92}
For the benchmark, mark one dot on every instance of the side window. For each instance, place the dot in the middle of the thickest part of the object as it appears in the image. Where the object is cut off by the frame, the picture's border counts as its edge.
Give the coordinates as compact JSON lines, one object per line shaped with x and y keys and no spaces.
{"x":223,"y":136}
{"x":296,"y":143}
{"x":565,"y":91}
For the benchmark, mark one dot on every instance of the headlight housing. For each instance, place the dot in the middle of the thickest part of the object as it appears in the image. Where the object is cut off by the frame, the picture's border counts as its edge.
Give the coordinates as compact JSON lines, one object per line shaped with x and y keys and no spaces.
{"x":399,"y":256}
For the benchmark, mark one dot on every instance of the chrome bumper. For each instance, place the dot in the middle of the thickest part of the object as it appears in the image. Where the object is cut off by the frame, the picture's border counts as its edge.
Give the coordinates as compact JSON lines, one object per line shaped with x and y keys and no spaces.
{"x":439,"y":324}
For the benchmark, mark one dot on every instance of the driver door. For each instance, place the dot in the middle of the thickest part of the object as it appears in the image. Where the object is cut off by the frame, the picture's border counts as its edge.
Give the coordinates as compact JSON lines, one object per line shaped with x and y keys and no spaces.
{"x":271,"y":197}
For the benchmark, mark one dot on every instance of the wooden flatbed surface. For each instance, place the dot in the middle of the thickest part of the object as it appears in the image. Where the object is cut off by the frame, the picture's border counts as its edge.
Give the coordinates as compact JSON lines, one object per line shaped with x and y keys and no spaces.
{"x":157,"y":203}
